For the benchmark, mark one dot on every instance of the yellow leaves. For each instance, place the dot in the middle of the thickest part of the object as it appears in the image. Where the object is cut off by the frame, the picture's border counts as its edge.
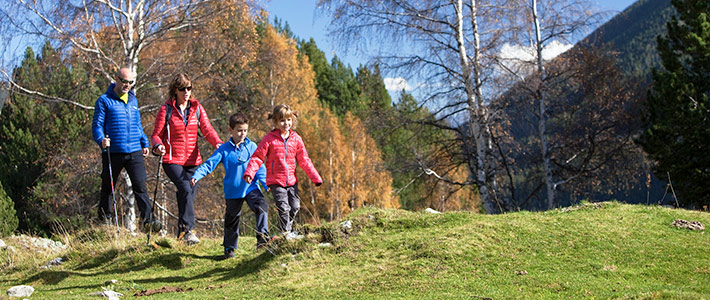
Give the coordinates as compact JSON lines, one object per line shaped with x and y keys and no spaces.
{"x":343,"y":153}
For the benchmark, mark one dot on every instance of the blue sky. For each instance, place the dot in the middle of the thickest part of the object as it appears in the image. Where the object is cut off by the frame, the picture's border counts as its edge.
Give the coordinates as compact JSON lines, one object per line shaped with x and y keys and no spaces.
{"x":306,"y":22}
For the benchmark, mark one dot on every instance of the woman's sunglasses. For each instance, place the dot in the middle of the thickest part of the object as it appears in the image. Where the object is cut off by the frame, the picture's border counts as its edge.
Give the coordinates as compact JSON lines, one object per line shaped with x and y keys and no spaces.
{"x":187,"y":88}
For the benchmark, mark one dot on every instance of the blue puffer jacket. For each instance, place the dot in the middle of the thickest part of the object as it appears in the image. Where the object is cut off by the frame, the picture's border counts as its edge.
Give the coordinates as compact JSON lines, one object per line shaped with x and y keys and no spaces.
{"x":235,"y":160}
{"x":120,"y":121}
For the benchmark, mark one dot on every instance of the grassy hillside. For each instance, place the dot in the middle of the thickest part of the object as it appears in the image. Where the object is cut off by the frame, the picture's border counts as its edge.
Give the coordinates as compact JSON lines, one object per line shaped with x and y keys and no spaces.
{"x":594,"y":251}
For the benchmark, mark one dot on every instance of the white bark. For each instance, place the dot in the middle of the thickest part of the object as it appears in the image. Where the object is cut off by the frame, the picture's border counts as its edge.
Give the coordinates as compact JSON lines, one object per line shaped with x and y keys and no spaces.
{"x":540,"y":97}
{"x":477,"y":113}
{"x":129,"y":208}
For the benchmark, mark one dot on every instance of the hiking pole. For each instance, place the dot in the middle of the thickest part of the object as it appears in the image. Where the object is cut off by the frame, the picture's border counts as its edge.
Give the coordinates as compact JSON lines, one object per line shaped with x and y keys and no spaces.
{"x":155,"y":196}
{"x":113,"y":193}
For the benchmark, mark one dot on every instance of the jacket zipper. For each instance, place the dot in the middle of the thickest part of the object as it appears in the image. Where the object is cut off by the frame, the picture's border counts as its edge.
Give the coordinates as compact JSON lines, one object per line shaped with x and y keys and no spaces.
{"x":285,"y":158}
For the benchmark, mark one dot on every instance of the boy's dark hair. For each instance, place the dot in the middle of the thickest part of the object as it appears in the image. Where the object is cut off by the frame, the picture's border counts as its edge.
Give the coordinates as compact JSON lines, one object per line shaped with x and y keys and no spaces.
{"x":238,"y":118}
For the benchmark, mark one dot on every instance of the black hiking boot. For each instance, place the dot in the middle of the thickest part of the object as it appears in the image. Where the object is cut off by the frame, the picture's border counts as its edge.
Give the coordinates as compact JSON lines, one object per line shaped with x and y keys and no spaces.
{"x":152,"y":226}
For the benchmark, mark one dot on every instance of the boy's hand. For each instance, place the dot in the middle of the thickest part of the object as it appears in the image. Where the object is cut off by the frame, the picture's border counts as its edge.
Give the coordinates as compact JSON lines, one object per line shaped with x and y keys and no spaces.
{"x":193,"y":181}
{"x":247,"y":178}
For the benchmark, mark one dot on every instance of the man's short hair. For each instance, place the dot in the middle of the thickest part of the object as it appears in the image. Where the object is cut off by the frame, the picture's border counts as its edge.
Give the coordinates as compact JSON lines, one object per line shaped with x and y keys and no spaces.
{"x":238,"y":118}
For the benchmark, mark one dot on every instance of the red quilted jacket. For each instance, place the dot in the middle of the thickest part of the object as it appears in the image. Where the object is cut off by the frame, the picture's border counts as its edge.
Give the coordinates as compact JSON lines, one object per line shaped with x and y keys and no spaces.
{"x":280,"y":158}
{"x":180,"y":141}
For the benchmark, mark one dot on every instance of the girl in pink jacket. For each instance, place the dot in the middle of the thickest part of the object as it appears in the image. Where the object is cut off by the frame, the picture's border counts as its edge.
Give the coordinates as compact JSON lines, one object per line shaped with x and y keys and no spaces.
{"x":280,"y":151}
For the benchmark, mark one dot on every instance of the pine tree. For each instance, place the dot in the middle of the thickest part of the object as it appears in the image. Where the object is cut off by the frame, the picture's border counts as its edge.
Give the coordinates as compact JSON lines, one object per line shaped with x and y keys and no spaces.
{"x":678,"y":121}
{"x":7,"y":214}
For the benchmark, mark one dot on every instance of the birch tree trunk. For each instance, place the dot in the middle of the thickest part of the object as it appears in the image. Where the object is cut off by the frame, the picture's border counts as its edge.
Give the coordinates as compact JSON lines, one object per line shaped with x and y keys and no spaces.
{"x":129,"y":208}
{"x":476,"y":110}
{"x":542,"y":110}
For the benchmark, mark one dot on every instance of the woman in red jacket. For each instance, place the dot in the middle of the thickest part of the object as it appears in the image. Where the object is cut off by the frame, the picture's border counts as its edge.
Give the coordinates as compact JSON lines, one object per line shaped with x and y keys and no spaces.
{"x":175,"y":138}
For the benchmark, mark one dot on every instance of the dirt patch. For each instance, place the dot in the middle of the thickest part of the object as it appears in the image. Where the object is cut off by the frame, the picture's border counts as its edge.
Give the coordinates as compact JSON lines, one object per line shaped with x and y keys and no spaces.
{"x":595,"y":205}
{"x":165,"y":289}
{"x":692,"y":225}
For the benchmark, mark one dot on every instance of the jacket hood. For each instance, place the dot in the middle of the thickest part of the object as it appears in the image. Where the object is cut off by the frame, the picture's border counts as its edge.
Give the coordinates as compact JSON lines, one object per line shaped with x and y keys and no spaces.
{"x":246,"y":141}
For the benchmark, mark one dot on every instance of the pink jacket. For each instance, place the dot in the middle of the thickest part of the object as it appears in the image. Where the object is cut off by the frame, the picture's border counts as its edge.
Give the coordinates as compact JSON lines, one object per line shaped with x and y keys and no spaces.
{"x":280,"y":158}
{"x":180,"y":141}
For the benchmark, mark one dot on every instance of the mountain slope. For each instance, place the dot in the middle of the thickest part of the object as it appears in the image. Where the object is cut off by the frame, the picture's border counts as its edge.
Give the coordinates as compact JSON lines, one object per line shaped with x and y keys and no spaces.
{"x":632,"y":34}
{"x":603,"y":250}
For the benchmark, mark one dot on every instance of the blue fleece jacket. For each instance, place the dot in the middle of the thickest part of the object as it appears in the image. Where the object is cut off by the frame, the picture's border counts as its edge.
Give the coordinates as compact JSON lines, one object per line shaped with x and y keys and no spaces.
{"x":235,"y":160}
{"x":119,"y":120}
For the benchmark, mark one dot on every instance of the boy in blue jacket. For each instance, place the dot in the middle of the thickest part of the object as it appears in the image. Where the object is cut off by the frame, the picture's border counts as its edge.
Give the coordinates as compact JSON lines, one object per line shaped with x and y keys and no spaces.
{"x":235,"y":155}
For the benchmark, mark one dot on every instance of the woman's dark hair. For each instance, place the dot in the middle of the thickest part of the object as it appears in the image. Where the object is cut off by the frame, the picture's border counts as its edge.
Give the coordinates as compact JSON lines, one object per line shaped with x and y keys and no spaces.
{"x":180,"y":81}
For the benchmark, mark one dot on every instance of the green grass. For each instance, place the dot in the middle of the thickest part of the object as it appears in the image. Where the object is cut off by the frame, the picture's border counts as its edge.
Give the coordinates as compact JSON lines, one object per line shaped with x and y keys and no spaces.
{"x":608,"y":251}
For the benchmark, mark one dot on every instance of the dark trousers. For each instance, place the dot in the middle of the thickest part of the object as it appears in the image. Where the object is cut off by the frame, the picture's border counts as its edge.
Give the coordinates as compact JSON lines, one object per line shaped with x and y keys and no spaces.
{"x":233,"y":212}
{"x":135,"y":167}
{"x":180,"y":176}
{"x":287,"y":204}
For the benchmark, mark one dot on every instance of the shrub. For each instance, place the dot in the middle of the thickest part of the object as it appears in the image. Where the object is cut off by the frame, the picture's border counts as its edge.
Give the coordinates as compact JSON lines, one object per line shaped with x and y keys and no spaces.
{"x":7,"y":214}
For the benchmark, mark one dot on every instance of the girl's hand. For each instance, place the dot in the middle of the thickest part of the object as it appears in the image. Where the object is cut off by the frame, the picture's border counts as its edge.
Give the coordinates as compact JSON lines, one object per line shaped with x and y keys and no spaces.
{"x":193,"y":181}
{"x":247,"y":178}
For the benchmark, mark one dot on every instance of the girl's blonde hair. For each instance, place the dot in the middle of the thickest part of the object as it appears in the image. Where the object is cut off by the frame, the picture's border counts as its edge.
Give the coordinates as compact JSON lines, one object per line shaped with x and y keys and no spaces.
{"x":283,"y":111}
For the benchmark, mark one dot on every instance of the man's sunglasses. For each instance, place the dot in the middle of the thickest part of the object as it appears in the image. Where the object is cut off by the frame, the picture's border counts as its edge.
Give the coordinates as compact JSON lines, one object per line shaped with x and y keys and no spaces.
{"x":126,"y":81}
{"x":187,"y":88}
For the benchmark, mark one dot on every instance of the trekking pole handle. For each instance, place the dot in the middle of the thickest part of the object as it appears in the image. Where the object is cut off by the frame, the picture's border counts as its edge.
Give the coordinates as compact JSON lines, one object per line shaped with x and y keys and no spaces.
{"x":106,"y":138}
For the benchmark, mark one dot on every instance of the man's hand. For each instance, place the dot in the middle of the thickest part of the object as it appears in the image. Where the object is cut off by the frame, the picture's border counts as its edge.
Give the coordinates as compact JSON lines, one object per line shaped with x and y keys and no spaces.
{"x":193,"y":181}
{"x":247,"y":178}
{"x":105,"y":143}
{"x":159,"y":150}
{"x":146,"y":151}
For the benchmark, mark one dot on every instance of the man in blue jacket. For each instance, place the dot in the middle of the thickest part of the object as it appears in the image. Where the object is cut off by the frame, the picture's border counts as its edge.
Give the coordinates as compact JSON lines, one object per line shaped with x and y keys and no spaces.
{"x":117,"y":127}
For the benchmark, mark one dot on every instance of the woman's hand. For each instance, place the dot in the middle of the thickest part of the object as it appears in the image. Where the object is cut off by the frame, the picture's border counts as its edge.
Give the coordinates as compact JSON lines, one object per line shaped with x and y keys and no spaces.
{"x":159,"y":150}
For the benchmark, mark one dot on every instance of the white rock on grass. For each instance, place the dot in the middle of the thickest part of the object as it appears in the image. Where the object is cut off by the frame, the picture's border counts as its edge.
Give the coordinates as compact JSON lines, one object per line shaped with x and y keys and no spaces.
{"x":20,"y":291}
{"x":325,"y":245}
{"x":2,"y":245}
{"x":431,"y":211}
{"x":37,"y":243}
{"x":347,"y":225}
{"x":55,"y":262}
{"x":111,"y":295}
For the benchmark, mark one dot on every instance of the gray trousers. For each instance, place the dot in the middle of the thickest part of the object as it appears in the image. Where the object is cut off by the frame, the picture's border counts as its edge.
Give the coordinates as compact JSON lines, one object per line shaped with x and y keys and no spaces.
{"x":287,"y":205}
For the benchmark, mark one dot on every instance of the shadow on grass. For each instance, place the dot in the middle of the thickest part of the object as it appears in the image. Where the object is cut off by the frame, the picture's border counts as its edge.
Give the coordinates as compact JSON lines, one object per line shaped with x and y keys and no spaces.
{"x":50,"y":277}
{"x":113,"y":262}
{"x":99,"y":260}
{"x":243,"y":268}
